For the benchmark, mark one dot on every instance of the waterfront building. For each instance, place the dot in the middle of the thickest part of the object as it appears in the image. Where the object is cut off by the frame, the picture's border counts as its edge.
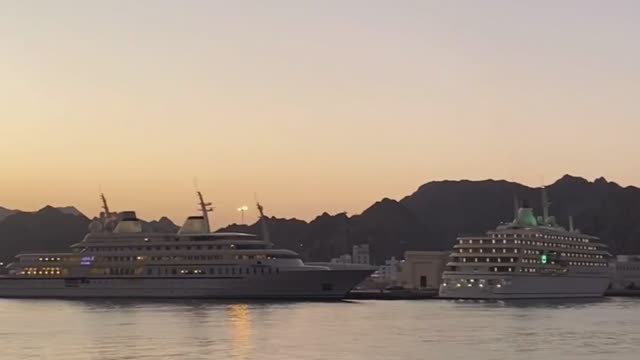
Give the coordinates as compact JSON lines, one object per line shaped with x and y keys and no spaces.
{"x":390,"y":270}
{"x":361,"y":254}
{"x":423,"y":269}
{"x":342,"y":259}
{"x":627,"y":272}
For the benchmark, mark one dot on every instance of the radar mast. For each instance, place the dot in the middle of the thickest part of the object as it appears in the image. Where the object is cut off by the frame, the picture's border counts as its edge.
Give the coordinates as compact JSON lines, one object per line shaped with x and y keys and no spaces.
{"x":105,"y":206}
{"x":263,"y":222}
{"x":205,"y":208}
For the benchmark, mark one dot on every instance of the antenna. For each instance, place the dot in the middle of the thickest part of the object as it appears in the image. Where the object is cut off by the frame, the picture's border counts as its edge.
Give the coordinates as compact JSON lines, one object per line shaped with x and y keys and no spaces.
{"x":205,"y":208}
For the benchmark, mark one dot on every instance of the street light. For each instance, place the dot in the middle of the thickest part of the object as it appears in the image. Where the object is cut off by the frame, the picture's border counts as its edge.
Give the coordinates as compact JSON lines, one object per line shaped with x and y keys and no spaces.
{"x":242,"y":209}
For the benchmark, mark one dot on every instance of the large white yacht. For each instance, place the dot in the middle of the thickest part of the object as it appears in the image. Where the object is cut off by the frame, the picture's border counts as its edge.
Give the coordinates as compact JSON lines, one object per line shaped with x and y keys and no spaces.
{"x":118,"y":259}
{"x":528,"y":258}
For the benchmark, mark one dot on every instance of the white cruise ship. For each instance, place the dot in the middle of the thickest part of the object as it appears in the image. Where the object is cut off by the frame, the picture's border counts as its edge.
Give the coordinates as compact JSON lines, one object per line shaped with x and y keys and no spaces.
{"x":117,"y":259}
{"x":528,"y":258}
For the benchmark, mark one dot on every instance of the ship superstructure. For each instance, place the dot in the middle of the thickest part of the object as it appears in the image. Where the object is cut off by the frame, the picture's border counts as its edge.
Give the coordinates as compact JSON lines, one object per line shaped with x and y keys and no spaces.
{"x":527,"y":258}
{"x":121,"y":258}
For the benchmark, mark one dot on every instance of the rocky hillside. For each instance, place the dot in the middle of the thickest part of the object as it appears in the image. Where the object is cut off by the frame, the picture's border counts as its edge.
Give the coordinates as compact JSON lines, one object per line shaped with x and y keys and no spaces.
{"x":433,"y":216}
{"x":52,"y":229}
{"x":428,"y":219}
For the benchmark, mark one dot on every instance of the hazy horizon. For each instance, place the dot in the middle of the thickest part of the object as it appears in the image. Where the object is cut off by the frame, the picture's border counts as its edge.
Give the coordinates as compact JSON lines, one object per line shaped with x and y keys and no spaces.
{"x":324,"y":106}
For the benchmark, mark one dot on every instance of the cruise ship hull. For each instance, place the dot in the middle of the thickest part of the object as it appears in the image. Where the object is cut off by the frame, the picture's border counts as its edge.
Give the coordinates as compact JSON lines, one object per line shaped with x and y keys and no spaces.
{"x":308,"y":284}
{"x":524,"y":286}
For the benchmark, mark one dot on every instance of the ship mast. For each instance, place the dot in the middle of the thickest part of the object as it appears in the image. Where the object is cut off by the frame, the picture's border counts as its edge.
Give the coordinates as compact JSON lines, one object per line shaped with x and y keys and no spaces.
{"x":107,"y":219}
{"x":205,"y":208}
{"x":545,"y":206}
{"x":263,"y":223}
{"x":105,"y":206}
{"x":571,"y":228}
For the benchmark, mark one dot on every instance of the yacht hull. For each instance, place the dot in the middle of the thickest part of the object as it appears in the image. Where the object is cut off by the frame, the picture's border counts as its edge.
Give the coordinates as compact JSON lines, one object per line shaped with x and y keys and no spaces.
{"x":307,"y":284}
{"x":524,"y":286}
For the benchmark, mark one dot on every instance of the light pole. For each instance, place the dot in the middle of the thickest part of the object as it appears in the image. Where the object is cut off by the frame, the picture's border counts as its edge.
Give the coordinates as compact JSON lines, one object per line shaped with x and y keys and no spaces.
{"x":242,"y":209}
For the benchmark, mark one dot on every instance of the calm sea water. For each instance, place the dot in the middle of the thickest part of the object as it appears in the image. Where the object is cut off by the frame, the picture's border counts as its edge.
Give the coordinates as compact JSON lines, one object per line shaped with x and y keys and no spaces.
{"x":431,"y":329}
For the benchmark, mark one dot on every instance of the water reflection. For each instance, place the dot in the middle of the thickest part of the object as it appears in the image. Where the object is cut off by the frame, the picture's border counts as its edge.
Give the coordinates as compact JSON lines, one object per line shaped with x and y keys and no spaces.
{"x":241,"y":324}
{"x":554,"y":303}
{"x":533,"y":303}
{"x":408,"y":330}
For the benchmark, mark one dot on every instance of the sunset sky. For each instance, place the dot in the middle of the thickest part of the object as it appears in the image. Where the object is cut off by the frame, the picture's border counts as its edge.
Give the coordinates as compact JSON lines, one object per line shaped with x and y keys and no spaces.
{"x":313,"y":105}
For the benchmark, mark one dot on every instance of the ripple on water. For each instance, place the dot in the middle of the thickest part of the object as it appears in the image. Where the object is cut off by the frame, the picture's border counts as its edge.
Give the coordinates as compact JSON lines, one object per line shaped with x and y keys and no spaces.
{"x":406,"y":330}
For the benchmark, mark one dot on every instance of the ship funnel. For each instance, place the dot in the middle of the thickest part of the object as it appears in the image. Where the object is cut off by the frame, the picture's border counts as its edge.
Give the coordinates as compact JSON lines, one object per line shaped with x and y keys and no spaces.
{"x":525,"y":216}
{"x":195,"y":225}
{"x":128,"y":223}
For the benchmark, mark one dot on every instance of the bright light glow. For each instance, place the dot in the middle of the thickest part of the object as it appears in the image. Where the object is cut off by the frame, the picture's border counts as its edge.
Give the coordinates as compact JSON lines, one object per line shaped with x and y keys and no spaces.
{"x":498,"y":286}
{"x":243,"y":208}
{"x":543,"y":259}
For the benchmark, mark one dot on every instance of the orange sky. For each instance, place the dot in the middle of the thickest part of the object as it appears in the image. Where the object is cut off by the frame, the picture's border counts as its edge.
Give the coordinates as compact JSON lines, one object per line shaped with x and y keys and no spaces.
{"x":318,"y":107}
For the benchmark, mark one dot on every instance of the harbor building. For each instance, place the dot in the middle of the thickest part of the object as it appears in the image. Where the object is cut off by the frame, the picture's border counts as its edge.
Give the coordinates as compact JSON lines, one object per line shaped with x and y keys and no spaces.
{"x":390,"y":270}
{"x":627,"y":272}
{"x":342,"y":259}
{"x":423,"y":269}
{"x":361,"y":254}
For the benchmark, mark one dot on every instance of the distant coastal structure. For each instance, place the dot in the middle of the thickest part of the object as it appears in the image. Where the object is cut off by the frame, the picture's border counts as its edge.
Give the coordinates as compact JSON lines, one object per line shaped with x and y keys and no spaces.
{"x":390,"y":270}
{"x":422,"y":270}
{"x":627,"y":273}
{"x":342,"y":259}
{"x":419,"y":270}
{"x":361,"y":255}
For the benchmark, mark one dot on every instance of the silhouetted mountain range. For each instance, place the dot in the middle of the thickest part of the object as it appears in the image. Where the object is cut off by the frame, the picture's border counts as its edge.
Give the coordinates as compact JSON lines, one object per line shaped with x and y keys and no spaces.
{"x":48,"y":229}
{"x":6,"y":212}
{"x":52,"y":230}
{"x":433,"y":216}
{"x":429,"y":219}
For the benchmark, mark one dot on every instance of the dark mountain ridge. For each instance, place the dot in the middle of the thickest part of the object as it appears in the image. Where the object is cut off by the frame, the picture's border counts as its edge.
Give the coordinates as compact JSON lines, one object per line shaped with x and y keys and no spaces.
{"x":429,"y":219}
{"x":52,"y":230}
{"x":432,"y":217}
{"x":6,"y":212}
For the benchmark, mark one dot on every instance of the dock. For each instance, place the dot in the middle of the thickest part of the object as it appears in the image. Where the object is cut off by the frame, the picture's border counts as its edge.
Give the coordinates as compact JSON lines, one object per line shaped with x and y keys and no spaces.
{"x":392,"y":294}
{"x":623,"y":293}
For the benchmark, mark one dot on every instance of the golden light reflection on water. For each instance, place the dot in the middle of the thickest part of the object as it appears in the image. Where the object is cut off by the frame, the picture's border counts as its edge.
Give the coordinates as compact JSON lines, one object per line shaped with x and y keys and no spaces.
{"x":240,"y":316}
